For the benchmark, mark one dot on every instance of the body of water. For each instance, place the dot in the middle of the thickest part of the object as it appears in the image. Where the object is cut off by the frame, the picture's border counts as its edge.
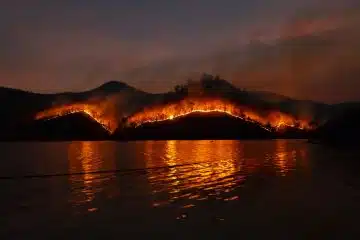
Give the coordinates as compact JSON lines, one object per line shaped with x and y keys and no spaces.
{"x":279,"y":188}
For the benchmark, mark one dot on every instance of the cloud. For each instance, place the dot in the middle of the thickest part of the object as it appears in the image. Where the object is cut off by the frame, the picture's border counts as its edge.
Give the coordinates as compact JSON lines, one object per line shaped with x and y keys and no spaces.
{"x":314,"y":56}
{"x":63,"y":46}
{"x":317,"y":61}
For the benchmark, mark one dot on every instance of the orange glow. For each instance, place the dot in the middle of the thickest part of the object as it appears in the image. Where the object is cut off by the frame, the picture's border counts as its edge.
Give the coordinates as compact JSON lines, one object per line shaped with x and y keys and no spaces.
{"x":274,"y":119}
{"x":96,"y":111}
{"x":211,"y":174}
{"x":284,"y":158}
{"x":106,"y":114}
{"x":89,"y":158}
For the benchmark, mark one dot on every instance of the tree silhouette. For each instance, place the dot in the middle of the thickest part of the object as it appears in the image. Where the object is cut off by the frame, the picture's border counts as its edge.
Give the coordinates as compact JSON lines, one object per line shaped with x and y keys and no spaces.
{"x":180,"y":89}
{"x":206,"y":77}
{"x":177,"y":88}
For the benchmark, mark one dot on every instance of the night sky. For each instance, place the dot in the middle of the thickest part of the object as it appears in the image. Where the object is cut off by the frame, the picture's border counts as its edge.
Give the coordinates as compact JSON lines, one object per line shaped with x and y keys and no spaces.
{"x":306,"y":49}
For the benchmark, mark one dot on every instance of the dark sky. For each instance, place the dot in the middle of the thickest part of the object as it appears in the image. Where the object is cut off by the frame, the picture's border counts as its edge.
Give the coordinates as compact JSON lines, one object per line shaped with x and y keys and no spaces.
{"x":306,"y":49}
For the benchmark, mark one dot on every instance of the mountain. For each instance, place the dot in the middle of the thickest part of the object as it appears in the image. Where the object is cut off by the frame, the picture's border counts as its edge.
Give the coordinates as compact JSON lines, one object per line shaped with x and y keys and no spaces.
{"x":216,"y":87}
{"x":196,"y":126}
{"x":104,"y":90}
{"x":199,"y":126}
{"x":342,"y":129}
{"x":19,"y":107}
{"x":77,"y":126}
{"x":113,"y":87}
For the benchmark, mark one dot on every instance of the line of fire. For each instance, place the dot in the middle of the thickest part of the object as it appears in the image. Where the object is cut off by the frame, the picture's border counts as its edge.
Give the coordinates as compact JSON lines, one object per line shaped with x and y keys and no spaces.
{"x":271,"y":120}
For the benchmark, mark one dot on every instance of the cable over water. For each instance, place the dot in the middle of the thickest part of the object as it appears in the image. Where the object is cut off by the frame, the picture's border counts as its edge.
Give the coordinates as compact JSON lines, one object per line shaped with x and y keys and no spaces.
{"x":118,"y":171}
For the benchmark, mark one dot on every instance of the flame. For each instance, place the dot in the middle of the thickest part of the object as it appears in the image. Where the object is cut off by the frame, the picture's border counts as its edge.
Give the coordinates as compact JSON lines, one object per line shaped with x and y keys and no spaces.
{"x":273,"y":119}
{"x":95,"y":111}
{"x":99,"y":111}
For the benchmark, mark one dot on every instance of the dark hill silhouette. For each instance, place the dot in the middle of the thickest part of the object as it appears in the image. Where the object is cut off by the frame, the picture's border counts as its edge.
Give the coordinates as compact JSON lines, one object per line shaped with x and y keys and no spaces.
{"x":214,"y":86}
{"x":77,"y":126}
{"x":113,"y":87}
{"x":195,"y":126}
{"x":342,"y":129}
{"x":18,"y":108}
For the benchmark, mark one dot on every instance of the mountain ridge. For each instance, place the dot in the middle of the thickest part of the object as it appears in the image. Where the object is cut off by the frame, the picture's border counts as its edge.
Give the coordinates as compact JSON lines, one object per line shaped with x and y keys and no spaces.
{"x":114,"y":86}
{"x":19,"y":106}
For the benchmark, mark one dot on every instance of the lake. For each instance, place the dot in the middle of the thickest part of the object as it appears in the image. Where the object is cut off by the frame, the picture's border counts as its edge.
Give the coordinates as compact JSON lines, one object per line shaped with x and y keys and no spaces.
{"x":270,"y":188}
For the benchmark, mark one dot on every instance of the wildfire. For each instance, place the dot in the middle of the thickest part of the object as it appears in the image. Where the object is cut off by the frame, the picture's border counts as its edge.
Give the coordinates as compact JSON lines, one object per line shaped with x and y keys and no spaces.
{"x":99,"y":112}
{"x":274,"y":119}
{"x":94,"y":111}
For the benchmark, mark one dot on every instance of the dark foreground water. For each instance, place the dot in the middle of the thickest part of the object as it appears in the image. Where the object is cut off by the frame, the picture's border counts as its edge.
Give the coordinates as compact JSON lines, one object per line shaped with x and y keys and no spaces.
{"x":182,"y":189}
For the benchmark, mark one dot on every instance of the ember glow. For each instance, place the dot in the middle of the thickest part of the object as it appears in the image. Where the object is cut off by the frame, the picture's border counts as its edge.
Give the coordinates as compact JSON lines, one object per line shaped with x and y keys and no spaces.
{"x":274,"y":119}
{"x":270,"y":120}
{"x":94,"y":111}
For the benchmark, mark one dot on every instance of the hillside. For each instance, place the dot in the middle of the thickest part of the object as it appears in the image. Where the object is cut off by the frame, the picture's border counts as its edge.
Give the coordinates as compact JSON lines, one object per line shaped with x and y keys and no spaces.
{"x":342,"y":129}
{"x":19,"y":107}
{"x":77,"y":126}
{"x":195,"y":126}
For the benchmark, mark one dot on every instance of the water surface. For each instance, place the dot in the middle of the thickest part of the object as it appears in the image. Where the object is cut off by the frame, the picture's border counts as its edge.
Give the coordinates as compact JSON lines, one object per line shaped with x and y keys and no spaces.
{"x":258,"y":188}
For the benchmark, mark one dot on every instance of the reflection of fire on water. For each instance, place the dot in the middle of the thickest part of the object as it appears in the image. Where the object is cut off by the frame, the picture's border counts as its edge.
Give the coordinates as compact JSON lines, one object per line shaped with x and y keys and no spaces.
{"x":88,"y":158}
{"x":200,"y":170}
{"x":284,"y":159}
{"x":204,"y":169}
{"x":179,"y":173}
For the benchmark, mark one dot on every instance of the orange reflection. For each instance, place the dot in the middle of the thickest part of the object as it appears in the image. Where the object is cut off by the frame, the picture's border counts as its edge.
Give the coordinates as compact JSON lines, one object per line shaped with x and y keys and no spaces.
{"x":88,"y":158}
{"x":285,"y":158}
{"x":186,"y":172}
{"x":204,"y":169}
